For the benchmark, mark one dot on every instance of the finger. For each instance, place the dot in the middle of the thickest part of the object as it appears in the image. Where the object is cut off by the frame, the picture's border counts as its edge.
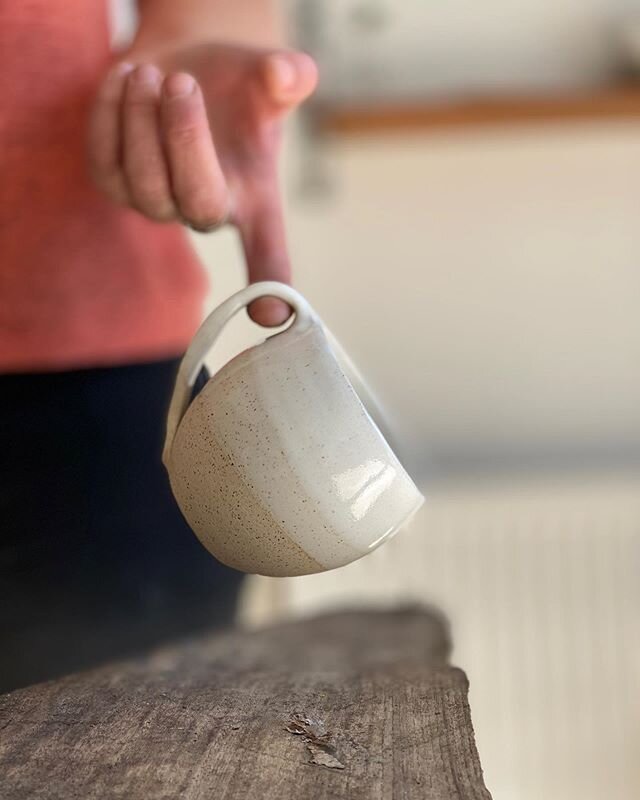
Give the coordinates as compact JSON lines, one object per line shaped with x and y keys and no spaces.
{"x":145,"y":166}
{"x":289,"y":77}
{"x":104,"y":142}
{"x":265,"y":247}
{"x":198,"y":183}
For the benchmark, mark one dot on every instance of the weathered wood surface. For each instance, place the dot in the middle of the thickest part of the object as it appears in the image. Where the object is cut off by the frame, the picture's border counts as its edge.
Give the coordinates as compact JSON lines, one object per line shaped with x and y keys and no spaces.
{"x":371,"y":695}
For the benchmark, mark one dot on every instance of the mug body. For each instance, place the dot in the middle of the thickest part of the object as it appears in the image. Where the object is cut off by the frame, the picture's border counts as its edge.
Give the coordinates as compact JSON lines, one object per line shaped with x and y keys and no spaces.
{"x":279,"y":469}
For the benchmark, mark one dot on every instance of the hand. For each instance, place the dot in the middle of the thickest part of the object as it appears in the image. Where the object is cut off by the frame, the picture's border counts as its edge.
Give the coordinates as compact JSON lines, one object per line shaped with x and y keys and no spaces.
{"x":194,"y":136}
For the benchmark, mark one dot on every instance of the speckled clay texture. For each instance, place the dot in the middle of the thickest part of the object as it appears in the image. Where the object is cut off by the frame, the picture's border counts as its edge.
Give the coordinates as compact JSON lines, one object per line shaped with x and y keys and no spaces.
{"x":278,"y":468}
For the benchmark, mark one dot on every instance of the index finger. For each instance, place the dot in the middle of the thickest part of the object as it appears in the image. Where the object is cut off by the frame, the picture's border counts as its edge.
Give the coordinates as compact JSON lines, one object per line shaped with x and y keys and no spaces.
{"x":265,"y":247}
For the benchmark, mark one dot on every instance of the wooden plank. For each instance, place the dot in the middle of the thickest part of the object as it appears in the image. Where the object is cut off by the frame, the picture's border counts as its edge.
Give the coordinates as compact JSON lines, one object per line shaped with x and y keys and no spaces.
{"x":615,"y":102}
{"x":354,"y":706}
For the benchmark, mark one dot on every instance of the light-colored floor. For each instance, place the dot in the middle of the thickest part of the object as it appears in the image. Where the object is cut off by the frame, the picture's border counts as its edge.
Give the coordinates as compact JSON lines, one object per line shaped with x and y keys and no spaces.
{"x":539,"y":579}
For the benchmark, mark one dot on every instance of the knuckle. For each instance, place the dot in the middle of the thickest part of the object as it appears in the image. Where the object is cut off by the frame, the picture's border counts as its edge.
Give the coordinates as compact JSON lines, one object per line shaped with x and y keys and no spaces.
{"x":153,"y":200}
{"x":184,"y":133}
{"x":185,"y":122}
{"x":142,"y":97}
{"x":141,"y":103}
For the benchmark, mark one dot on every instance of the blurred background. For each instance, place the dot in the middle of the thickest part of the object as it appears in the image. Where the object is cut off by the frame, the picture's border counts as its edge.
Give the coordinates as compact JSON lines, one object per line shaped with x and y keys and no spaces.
{"x":464,"y":213}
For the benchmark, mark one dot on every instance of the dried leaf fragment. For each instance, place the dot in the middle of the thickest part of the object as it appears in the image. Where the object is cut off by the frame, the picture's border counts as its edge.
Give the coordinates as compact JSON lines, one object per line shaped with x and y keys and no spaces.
{"x":319,"y":741}
{"x":313,"y":730}
{"x":322,"y":758}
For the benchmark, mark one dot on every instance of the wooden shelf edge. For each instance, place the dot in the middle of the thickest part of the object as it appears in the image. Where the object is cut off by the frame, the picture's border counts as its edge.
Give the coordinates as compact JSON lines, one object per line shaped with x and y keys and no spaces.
{"x":619,"y":102}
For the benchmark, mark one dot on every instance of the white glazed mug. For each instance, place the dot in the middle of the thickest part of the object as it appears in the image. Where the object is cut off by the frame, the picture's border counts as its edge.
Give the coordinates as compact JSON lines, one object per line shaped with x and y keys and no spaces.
{"x":276,"y":464}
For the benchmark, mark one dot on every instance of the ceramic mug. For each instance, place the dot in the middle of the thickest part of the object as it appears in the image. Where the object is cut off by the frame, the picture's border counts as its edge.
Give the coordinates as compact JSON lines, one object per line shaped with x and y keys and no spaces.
{"x":276,"y":464}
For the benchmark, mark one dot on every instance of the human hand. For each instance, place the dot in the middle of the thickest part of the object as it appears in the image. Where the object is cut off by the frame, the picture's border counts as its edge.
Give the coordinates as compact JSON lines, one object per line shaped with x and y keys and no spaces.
{"x":194,"y":135}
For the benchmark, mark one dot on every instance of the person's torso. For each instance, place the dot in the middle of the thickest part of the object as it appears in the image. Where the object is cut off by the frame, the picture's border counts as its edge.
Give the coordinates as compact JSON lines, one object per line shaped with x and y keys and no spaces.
{"x":81,"y":282}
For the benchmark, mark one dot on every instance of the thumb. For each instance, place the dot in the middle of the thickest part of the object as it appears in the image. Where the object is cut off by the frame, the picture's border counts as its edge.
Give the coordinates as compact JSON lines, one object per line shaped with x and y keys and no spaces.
{"x":289,"y":77}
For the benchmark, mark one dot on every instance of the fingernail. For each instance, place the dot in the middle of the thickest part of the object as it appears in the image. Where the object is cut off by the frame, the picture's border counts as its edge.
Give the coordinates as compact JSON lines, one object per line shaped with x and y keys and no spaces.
{"x":179,"y":85}
{"x":146,"y":74}
{"x":284,"y":72}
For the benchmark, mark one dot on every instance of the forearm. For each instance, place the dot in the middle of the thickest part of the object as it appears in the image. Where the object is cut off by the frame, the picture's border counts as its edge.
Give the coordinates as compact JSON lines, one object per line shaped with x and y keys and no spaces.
{"x":167,"y":24}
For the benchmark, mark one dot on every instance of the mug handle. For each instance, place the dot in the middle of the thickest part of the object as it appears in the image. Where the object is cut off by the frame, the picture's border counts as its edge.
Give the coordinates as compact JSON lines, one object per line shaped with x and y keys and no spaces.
{"x":211,"y":329}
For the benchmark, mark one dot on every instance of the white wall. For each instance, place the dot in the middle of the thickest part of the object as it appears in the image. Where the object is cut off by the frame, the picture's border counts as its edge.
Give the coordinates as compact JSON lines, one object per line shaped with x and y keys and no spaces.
{"x":488,"y":285}
{"x":418,"y":45}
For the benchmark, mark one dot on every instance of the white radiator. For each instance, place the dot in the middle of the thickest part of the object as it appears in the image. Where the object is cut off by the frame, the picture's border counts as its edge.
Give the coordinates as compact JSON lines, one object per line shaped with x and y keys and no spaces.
{"x":539,"y":580}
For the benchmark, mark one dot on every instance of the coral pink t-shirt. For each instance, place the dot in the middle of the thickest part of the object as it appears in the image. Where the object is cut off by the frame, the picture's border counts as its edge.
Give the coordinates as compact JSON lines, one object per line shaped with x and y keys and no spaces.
{"x":82,"y":283}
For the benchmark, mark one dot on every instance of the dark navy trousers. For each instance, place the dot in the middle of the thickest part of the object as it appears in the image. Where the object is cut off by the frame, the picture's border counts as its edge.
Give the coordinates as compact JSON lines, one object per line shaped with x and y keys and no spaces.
{"x":96,"y":561}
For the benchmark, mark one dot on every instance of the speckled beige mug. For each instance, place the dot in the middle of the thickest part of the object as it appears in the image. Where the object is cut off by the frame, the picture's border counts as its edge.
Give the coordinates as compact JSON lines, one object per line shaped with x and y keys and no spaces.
{"x":276,"y":464}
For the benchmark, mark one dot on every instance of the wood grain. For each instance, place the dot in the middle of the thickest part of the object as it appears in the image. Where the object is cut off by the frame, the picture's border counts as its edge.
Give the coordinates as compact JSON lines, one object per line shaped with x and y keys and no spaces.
{"x":383,"y":717}
{"x":614,"y":102}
